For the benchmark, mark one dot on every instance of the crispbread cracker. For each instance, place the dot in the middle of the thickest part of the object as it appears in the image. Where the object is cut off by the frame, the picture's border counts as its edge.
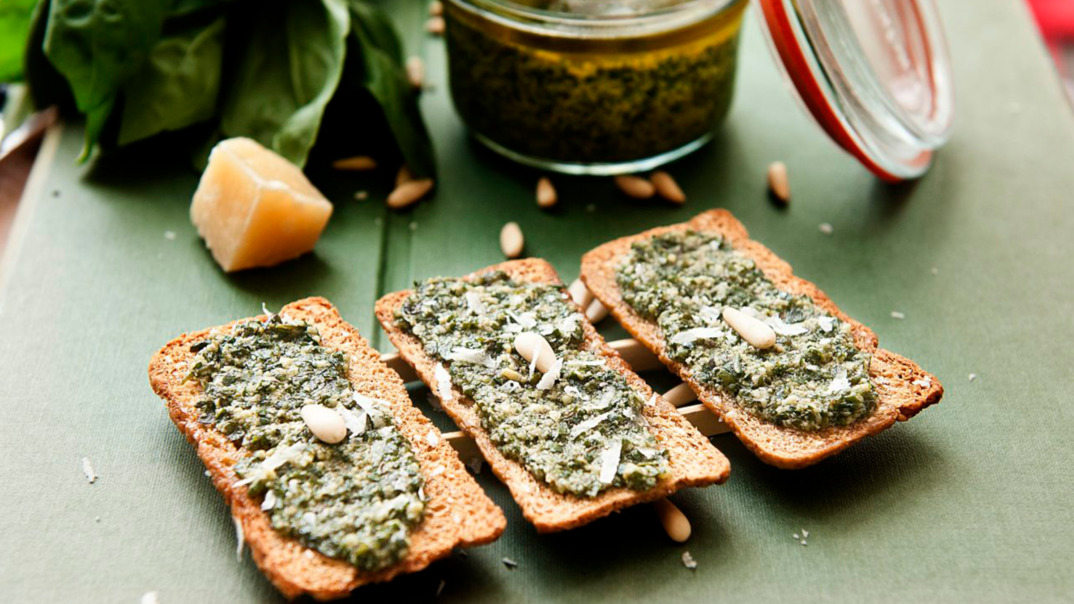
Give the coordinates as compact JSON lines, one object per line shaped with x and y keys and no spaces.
{"x":904,"y":389}
{"x":693,"y":460}
{"x":458,"y":513}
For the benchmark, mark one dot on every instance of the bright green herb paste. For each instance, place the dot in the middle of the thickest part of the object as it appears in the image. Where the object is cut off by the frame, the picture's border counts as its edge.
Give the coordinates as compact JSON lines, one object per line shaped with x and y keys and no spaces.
{"x":599,"y":99}
{"x":813,"y":378}
{"x":356,"y":500}
{"x":581,"y":434}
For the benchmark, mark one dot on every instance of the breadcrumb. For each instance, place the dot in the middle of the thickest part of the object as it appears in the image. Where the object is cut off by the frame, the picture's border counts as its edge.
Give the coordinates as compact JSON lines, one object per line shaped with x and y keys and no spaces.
{"x":87,"y":469}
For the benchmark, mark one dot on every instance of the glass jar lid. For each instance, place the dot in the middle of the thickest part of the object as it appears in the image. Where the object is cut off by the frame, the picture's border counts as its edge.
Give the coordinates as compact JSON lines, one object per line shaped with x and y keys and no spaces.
{"x":874,"y":74}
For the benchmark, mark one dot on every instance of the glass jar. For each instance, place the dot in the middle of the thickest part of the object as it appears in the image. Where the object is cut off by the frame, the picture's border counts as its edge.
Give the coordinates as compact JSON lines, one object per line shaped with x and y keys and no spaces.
{"x":593,"y":92}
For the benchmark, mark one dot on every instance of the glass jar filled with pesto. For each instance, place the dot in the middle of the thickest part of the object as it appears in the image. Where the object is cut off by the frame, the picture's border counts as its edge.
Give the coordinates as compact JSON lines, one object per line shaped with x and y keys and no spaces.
{"x":593,"y":86}
{"x":617,"y":86}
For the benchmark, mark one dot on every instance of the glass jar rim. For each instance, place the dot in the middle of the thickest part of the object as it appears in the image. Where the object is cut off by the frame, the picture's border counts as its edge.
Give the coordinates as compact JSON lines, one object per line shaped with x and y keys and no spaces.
{"x":560,"y":23}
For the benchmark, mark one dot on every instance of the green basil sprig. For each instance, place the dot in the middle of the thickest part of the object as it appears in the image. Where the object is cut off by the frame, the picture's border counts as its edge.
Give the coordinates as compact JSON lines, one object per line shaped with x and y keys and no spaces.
{"x":262,"y":69}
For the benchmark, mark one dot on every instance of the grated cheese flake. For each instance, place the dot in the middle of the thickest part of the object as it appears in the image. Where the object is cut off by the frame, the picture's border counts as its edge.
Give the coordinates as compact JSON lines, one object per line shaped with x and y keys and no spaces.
{"x":533,"y":362}
{"x":688,"y":561}
{"x":897,"y":315}
{"x":549,"y":378}
{"x":149,"y":597}
{"x":609,"y":461}
{"x":826,"y":228}
{"x":240,"y":538}
{"x":697,"y":333}
{"x":443,"y":383}
{"x":474,"y":303}
{"x":510,"y":564}
{"x":87,"y":470}
{"x":973,"y":376}
{"x":269,"y":502}
{"x":432,"y":438}
{"x":440,"y":588}
{"x":470,"y":355}
{"x":839,"y":382}
{"x":785,"y":329}
{"x":826,"y":323}
{"x":589,"y":424}
{"x":356,"y":424}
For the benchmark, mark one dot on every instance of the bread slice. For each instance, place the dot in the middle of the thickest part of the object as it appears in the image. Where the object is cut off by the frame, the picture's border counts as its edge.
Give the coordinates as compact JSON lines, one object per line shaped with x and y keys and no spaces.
{"x":904,"y":389}
{"x":458,"y":513}
{"x":693,"y":460}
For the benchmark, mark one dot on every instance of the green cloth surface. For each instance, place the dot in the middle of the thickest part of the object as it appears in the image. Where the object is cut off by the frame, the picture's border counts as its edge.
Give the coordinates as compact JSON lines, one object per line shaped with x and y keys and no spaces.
{"x":973,"y":500}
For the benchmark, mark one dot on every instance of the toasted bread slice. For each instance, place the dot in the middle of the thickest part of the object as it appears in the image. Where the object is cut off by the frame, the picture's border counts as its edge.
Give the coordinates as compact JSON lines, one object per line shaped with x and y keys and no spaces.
{"x":904,"y":389}
{"x":693,"y":460}
{"x":458,"y":513}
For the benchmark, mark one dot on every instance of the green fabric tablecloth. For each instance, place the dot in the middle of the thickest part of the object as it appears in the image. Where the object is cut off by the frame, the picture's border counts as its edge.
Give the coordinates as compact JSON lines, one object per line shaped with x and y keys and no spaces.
{"x":971,"y":501}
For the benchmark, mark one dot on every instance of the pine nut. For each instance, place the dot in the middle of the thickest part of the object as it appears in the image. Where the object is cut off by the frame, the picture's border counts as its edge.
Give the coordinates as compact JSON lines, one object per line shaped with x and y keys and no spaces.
{"x":580,"y":294}
{"x":511,"y":240}
{"x":436,"y":8}
{"x":666,"y":187}
{"x":546,"y":193}
{"x":403,"y":176}
{"x":415,"y":71}
{"x":680,"y":395}
{"x":529,"y":344}
{"x":635,"y":186}
{"x":409,"y":192}
{"x":778,"y":183}
{"x":435,"y":25}
{"x":757,"y":333}
{"x":361,"y":162}
{"x":674,"y":521}
{"x":326,"y":424}
{"x":596,"y":312}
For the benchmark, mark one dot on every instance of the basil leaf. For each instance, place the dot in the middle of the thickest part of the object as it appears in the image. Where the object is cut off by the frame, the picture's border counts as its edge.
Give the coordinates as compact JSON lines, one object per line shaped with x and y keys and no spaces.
{"x":97,"y":47}
{"x":385,"y":77}
{"x":377,"y":26}
{"x":178,"y":8}
{"x":177,"y":87}
{"x":15,"y":18}
{"x":47,"y":86}
{"x":289,"y":71}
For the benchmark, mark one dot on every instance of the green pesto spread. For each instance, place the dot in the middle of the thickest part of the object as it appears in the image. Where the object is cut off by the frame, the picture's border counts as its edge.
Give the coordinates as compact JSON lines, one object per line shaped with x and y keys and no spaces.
{"x":591,"y":100}
{"x":355,"y":500}
{"x":580,"y":432}
{"x":813,"y":378}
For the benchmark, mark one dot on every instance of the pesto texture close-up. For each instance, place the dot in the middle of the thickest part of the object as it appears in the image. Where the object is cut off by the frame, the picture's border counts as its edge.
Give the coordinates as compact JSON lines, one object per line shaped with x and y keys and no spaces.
{"x":592,"y":100}
{"x":580,"y":427}
{"x":356,"y":500}
{"x":813,"y":378}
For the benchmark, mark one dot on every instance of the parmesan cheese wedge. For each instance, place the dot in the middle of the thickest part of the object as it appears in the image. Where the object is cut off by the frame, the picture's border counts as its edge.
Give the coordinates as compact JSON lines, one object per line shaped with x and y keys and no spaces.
{"x":255,"y":208}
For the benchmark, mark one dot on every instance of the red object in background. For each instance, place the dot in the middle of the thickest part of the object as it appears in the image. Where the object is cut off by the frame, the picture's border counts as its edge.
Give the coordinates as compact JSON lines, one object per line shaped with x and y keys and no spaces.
{"x":1056,"y":21}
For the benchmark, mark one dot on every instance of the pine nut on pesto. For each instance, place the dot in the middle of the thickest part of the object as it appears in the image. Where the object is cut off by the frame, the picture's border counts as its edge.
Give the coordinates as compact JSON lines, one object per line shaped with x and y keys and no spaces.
{"x":356,"y":500}
{"x":592,"y":87}
{"x":579,"y":427}
{"x":813,"y":377}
